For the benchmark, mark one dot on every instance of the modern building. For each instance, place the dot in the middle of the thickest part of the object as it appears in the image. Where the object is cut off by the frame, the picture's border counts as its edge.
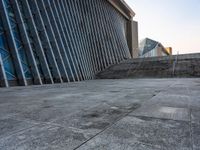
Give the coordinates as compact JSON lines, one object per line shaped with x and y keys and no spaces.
{"x":151,"y":48}
{"x":169,"y":50}
{"x":51,"y":41}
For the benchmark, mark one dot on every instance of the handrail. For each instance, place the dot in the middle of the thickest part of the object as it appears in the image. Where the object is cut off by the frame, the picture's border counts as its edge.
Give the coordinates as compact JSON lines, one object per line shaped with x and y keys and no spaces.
{"x":174,"y":65}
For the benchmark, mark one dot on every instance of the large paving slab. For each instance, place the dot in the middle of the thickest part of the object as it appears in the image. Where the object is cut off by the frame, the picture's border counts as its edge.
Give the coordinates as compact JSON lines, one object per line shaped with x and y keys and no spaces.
{"x":196,"y":136}
{"x":151,"y":133}
{"x":195,"y":116}
{"x":10,"y":126}
{"x":163,"y":112}
{"x":46,"y":137}
{"x":138,"y":114}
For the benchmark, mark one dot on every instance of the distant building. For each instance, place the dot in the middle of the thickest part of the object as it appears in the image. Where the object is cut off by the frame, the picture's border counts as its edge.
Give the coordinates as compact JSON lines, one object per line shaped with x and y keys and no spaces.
{"x":169,"y":50}
{"x":151,"y":48}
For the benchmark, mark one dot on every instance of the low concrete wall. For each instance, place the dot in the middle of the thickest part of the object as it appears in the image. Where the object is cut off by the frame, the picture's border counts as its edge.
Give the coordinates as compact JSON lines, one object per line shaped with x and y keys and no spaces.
{"x":156,"y":67}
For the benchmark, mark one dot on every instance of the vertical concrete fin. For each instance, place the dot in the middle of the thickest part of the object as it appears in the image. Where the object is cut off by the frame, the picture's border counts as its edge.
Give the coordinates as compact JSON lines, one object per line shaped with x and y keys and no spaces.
{"x":53,"y":40}
{"x":26,"y":43}
{"x":3,"y":78}
{"x":52,"y":59}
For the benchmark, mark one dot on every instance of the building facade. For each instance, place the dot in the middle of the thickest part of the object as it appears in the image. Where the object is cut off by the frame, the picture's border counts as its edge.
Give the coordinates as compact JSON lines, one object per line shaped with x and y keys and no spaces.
{"x":56,"y":41}
{"x":152,"y":48}
{"x":169,"y":50}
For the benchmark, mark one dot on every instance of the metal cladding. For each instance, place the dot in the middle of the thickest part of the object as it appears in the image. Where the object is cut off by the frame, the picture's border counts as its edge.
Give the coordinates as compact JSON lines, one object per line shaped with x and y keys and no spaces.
{"x":56,"y":41}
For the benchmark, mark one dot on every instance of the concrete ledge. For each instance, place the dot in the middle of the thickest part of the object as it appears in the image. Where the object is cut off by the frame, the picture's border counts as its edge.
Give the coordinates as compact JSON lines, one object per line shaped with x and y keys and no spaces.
{"x":157,"y":67}
{"x":173,"y":57}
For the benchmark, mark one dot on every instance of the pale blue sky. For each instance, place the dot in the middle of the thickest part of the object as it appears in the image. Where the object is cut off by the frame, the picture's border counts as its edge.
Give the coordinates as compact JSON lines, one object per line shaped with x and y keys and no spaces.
{"x":174,"y":23}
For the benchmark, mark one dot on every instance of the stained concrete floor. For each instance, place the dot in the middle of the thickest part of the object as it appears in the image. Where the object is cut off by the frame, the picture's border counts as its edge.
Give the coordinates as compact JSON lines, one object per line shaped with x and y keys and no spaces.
{"x":128,"y":114}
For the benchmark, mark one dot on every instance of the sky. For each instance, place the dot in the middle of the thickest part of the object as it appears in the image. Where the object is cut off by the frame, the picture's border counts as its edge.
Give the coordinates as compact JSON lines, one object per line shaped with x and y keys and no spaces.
{"x":174,"y":23}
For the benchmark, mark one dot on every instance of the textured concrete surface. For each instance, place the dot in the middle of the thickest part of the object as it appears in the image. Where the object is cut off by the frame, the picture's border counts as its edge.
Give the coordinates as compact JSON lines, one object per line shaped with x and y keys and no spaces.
{"x":186,"y":66}
{"x":126,"y":114}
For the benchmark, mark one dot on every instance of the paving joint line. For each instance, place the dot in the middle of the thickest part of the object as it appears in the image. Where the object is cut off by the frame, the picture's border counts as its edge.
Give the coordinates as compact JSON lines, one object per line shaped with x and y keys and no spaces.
{"x":160,"y":118}
{"x":103,"y":130}
{"x":126,"y":115}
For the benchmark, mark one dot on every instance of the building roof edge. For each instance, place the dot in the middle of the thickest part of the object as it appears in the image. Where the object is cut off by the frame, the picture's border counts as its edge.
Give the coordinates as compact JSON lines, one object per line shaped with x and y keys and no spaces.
{"x":123,"y":8}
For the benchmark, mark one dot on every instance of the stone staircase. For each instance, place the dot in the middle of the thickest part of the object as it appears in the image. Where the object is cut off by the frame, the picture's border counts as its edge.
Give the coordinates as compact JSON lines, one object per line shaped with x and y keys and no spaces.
{"x":156,"y":67}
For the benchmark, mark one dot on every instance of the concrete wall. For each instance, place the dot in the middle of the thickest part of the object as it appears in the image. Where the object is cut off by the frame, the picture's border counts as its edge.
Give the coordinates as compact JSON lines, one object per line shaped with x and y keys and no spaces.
{"x":132,"y":38}
{"x":135,"y":41}
{"x":155,"y":67}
